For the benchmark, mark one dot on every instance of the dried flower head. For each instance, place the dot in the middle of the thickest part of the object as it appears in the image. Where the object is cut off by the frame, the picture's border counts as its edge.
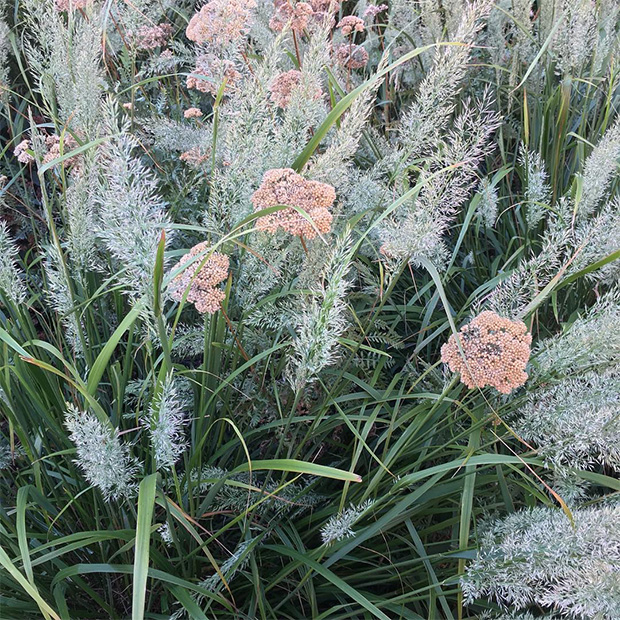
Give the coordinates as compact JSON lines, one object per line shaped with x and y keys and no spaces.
{"x":296,"y":17}
{"x":201,"y":279}
{"x":150,"y":37}
{"x":351,"y":56}
{"x":350,"y":24}
{"x":194,"y":157}
{"x":67,"y":5}
{"x":325,"y":5}
{"x":53,"y":149}
{"x":21,"y":152}
{"x":192,"y":113}
{"x":221,"y":21}
{"x":283,"y":186}
{"x":496,"y":351}
{"x":215,"y":68}
{"x":372,"y":10}
{"x":282,"y":87}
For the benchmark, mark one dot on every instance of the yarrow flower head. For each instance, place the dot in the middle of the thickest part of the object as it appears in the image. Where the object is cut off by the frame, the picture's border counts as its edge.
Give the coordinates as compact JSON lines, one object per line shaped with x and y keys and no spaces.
{"x":53,"y":145}
{"x":282,"y":86}
{"x":496,"y":351}
{"x":21,"y":152}
{"x":372,"y":10}
{"x":350,"y":24}
{"x":201,"y":279}
{"x":296,"y":17}
{"x":192,"y":113}
{"x":66,"y":5}
{"x":215,"y":68}
{"x":351,"y":56}
{"x":283,"y":186}
{"x":221,"y":21}
{"x":150,"y":37}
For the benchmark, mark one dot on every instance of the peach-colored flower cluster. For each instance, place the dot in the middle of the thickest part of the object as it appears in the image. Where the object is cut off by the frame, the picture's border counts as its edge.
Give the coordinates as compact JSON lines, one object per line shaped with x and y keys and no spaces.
{"x":66,"y":5}
{"x":215,"y":68}
{"x":202,"y":280}
{"x":350,"y":24}
{"x":372,"y":10}
{"x":192,"y":113}
{"x":53,"y":149}
{"x":221,"y":21}
{"x":496,"y":351}
{"x":297,"y":17}
{"x":301,"y":14}
{"x":150,"y":37}
{"x":282,"y":87}
{"x":351,"y":56}
{"x":194,"y":157}
{"x":283,"y":186}
{"x":20,"y":151}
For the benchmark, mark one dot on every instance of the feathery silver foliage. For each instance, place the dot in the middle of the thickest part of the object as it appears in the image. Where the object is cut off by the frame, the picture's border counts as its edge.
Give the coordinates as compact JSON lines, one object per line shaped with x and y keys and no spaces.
{"x":101,"y":455}
{"x":340,"y":526}
{"x":11,"y":280}
{"x":536,"y":558}
{"x":165,"y":424}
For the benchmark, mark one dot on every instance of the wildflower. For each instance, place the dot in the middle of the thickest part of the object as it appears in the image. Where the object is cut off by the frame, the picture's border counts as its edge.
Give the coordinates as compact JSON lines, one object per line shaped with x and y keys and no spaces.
{"x":201,"y":279}
{"x":216,"y":69}
{"x":351,"y":56}
{"x":75,"y":5}
{"x":325,"y":5}
{"x":296,"y":17}
{"x":283,"y":186}
{"x":372,"y":10}
{"x":350,"y":24}
{"x":283,"y":85}
{"x":192,"y":113}
{"x":194,"y":157}
{"x":53,"y":145}
{"x":496,"y":351}
{"x":100,"y":454}
{"x":128,"y":105}
{"x":150,"y":37}
{"x":21,"y":152}
{"x":221,"y":21}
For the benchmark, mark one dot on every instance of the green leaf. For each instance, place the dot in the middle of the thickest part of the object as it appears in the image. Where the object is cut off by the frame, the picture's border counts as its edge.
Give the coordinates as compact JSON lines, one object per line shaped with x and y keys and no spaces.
{"x":146,"y":503}
{"x":300,"y":467}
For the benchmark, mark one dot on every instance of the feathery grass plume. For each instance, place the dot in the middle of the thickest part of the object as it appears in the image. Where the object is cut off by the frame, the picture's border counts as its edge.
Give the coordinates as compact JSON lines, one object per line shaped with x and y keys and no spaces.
{"x":537,"y":191}
{"x":536,"y":558}
{"x":5,"y":49}
{"x":11,"y":279}
{"x":65,"y":54}
{"x":323,"y":320}
{"x":595,"y":239}
{"x":81,"y":209}
{"x":340,"y":526}
{"x":131,"y":212}
{"x":576,"y":422}
{"x":165,"y":424}
{"x":495,"y":352}
{"x":60,"y":298}
{"x":599,"y":171}
{"x":101,"y":455}
{"x":591,"y":343}
{"x":422,"y":124}
{"x":452,"y":175}
{"x":573,"y":42}
{"x":488,"y":205}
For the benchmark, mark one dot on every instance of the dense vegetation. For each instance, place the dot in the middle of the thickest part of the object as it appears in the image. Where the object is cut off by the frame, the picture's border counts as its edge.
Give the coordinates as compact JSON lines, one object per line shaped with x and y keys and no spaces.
{"x":309,"y":310}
